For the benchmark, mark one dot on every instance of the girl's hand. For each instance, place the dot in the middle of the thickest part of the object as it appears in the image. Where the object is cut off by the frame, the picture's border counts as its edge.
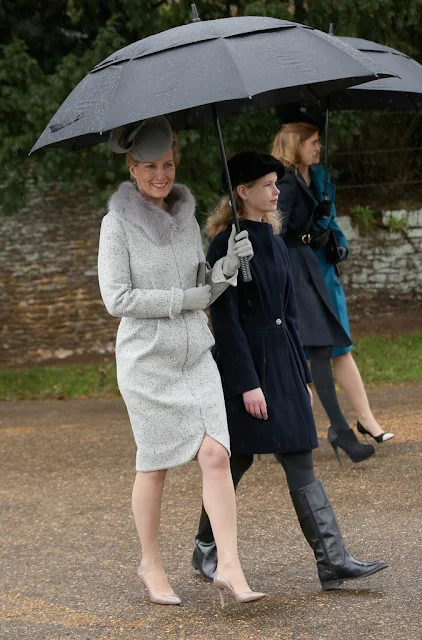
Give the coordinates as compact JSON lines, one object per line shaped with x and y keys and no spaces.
{"x":239,"y":247}
{"x":254,"y":401}
{"x":311,"y":397}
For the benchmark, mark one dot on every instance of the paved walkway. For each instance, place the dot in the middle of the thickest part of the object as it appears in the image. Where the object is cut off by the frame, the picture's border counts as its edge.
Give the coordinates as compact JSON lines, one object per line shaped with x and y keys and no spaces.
{"x":69,"y":547}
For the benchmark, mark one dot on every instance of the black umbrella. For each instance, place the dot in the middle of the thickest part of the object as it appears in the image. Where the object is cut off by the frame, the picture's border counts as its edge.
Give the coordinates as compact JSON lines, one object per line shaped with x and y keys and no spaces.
{"x":400,"y":93}
{"x":403,"y":93}
{"x":199,"y":71}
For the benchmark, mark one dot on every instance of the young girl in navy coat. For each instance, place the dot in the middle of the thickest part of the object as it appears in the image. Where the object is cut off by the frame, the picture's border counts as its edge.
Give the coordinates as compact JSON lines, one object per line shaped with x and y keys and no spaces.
{"x":264,"y":372}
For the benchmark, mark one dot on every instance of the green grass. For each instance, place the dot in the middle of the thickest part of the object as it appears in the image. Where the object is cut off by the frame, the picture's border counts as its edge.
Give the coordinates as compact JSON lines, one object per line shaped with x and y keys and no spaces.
{"x":66,"y":381}
{"x":396,"y":359}
{"x":380,"y":360}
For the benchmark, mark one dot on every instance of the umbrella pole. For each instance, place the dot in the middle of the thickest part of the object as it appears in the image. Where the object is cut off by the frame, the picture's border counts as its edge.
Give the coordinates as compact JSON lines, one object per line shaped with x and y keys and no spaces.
{"x":244,"y":264}
{"x":327,"y":122}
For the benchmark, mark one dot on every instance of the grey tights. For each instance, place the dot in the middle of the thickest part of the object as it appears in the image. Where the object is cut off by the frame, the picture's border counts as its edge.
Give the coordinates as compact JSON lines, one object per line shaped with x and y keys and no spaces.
{"x":323,"y":379}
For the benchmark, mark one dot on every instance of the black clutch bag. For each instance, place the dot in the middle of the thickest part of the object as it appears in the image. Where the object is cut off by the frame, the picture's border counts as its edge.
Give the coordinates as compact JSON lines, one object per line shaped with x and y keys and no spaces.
{"x":201,"y":274}
{"x":319,"y":240}
{"x":332,"y":252}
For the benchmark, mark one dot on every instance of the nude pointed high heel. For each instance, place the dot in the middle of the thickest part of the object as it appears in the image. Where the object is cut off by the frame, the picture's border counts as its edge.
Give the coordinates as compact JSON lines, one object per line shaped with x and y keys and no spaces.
{"x":155,"y":597}
{"x":223,"y":584}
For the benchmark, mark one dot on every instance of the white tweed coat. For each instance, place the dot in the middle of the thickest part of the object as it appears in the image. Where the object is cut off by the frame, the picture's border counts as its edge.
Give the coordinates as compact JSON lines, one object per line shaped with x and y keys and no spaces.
{"x":165,"y":370}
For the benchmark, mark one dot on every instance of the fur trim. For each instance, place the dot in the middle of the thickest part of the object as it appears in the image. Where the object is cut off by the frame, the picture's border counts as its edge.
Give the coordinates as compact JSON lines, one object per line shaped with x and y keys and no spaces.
{"x":128,"y":204}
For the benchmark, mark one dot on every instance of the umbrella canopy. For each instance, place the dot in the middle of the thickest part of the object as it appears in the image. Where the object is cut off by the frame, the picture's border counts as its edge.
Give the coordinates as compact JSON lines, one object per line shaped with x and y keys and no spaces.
{"x":239,"y":64}
{"x":402,"y":93}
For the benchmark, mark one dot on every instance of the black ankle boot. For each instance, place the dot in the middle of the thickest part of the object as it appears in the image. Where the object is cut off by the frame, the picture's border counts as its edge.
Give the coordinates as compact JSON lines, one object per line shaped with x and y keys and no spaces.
{"x":204,"y":559}
{"x":351,"y":446}
{"x":319,"y":525}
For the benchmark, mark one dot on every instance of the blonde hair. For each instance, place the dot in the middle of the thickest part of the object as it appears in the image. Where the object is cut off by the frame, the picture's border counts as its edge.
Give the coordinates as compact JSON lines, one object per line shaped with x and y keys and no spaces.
{"x":286,"y":144}
{"x":175,"y":147}
{"x":222,"y":215}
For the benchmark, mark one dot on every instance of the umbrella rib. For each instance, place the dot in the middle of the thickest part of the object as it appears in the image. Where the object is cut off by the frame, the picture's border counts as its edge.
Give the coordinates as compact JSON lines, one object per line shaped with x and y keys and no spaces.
{"x":114,"y":93}
{"x":235,"y":65}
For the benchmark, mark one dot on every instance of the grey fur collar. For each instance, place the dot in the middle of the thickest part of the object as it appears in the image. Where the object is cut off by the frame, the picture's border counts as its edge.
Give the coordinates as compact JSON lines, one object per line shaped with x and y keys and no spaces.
{"x":158,"y":225}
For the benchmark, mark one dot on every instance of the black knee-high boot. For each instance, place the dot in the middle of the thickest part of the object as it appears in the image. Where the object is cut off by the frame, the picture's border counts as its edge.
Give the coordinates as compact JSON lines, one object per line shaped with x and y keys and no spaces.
{"x":319,"y":525}
{"x":204,"y":558}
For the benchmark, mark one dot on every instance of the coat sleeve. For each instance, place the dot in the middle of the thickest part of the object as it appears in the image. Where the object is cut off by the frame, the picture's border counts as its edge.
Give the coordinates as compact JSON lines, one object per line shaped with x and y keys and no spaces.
{"x":331,"y":222}
{"x":119,"y":296}
{"x":291,"y":320}
{"x":215,"y":276}
{"x":340,"y":237}
{"x":288,"y":190}
{"x":234,"y":355}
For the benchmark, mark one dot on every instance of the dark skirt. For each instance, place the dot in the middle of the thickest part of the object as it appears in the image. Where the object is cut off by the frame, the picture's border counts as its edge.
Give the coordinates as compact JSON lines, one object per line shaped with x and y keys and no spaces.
{"x":318,"y":322}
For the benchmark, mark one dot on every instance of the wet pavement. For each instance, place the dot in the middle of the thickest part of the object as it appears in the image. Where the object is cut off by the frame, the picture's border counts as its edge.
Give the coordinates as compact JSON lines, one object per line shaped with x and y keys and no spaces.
{"x":69,"y":547}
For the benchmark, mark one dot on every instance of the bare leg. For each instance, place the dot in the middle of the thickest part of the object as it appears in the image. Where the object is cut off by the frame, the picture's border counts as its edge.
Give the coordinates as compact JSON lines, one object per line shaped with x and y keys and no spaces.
{"x":348,"y":376}
{"x":220,"y":504}
{"x":146,"y":505}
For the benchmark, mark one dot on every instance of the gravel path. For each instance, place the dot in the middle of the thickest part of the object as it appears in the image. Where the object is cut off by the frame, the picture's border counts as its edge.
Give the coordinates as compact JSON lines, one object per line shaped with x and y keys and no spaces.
{"x":69,"y":547}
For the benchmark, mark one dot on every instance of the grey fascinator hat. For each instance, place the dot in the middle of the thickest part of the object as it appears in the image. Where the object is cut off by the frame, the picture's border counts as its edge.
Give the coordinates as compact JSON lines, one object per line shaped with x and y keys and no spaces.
{"x":146,"y":141}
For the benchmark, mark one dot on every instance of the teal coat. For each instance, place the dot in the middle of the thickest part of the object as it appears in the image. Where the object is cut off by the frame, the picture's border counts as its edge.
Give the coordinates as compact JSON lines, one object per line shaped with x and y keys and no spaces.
{"x":328,"y":269}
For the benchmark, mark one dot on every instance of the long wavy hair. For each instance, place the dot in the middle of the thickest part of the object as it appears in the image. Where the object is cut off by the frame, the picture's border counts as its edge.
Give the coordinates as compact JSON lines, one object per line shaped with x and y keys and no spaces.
{"x":222,"y":216}
{"x":287,"y":142}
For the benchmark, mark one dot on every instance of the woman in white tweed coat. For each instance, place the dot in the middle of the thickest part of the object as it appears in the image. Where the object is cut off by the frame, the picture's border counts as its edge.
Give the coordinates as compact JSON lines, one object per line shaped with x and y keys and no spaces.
{"x":149,"y":253}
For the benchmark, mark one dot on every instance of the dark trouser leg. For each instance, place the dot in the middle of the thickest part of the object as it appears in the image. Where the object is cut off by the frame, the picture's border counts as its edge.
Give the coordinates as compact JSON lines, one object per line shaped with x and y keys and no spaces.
{"x":204,"y":557}
{"x":298,"y":467}
{"x":323,"y":379}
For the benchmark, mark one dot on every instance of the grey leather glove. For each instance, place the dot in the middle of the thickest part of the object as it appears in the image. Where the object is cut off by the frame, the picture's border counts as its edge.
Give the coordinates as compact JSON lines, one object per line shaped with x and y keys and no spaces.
{"x":239,"y":247}
{"x":197,"y":298}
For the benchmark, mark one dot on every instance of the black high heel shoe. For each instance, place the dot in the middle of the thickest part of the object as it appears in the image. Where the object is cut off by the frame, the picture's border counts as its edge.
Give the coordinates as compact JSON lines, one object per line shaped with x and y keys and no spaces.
{"x":348,"y":442}
{"x":383,"y":437}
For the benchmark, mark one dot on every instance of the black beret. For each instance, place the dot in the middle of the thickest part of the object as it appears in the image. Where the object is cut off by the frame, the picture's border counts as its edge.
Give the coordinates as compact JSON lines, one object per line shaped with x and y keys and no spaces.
{"x":291,"y":113}
{"x":251,"y":165}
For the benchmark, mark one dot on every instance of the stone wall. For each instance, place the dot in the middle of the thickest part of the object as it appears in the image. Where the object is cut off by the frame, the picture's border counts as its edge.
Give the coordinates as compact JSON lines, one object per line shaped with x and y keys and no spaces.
{"x":383,"y":260}
{"x":50,"y":307}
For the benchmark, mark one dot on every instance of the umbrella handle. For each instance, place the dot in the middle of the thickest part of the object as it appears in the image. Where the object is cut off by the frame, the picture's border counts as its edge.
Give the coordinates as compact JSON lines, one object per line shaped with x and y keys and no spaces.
{"x":244,"y":263}
{"x":246,"y":270}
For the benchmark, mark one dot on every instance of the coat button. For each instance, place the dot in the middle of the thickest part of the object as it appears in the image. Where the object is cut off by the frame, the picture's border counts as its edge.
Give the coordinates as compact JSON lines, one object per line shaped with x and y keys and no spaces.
{"x":278,"y":321}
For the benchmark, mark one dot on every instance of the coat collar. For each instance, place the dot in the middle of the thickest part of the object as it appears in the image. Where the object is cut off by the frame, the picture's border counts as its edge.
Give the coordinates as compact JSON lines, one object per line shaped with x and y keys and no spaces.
{"x":317,"y":175}
{"x":301,"y":182}
{"x":158,"y":225}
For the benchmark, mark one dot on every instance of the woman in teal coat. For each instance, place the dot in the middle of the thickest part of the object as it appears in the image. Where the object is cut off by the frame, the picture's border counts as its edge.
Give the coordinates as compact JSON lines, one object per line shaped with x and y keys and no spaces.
{"x":345,"y":368}
{"x":297,"y":145}
{"x":329,"y":270}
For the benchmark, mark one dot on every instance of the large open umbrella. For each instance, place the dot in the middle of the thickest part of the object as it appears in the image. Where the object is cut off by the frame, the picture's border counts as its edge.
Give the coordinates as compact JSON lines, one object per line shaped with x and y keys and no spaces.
{"x":400,"y":93}
{"x":199,"y":71}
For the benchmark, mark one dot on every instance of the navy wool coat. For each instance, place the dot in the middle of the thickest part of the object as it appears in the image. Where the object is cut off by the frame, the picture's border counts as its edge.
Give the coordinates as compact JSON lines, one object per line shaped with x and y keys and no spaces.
{"x":258,"y":345}
{"x":319,"y":325}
